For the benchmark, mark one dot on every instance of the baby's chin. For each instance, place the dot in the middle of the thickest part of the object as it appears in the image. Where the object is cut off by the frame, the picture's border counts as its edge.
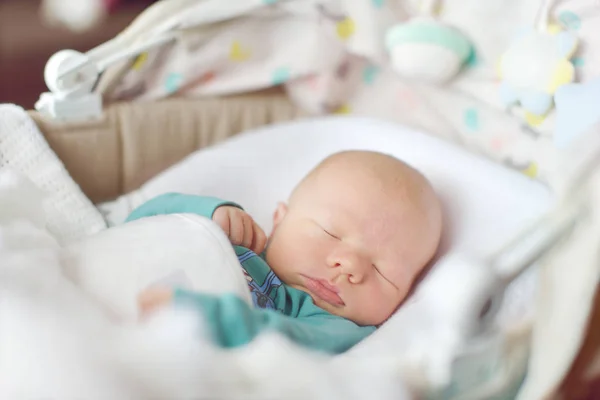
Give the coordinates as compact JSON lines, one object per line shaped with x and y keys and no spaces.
{"x":368,"y":320}
{"x":359,"y":317}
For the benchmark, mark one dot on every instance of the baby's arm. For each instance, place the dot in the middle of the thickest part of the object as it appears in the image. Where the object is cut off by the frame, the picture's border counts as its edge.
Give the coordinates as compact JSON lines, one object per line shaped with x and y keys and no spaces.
{"x":238,"y":225}
{"x":179,"y":203}
{"x":232,"y":323}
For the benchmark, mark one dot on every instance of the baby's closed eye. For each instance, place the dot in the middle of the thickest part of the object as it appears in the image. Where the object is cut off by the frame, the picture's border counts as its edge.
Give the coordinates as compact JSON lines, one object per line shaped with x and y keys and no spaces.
{"x":328,"y":231}
{"x":331,"y":234}
{"x":383,"y":276}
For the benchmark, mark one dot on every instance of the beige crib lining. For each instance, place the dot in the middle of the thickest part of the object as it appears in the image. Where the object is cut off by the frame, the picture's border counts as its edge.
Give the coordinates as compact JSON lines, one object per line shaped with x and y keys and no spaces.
{"x":132,"y":142}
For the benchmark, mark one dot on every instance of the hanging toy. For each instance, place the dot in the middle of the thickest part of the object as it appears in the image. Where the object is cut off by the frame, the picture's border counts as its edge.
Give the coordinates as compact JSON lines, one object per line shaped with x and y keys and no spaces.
{"x":425,"y":49}
{"x":535,"y":65}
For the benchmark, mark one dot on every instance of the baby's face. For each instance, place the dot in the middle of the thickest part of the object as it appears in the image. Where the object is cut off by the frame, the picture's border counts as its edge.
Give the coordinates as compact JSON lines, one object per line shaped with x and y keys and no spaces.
{"x":352,"y":244}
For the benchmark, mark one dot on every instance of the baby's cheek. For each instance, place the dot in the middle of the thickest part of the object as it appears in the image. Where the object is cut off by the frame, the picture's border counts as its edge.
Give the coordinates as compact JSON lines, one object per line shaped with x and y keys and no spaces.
{"x":376,"y":309}
{"x":311,"y":248}
{"x":392,"y":296}
{"x":379,"y":299}
{"x":290,"y":254}
{"x":404,"y":282}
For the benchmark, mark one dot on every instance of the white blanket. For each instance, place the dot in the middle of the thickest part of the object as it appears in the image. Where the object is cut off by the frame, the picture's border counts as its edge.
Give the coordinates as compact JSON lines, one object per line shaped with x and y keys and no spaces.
{"x":56,"y":341}
{"x":188,"y":251}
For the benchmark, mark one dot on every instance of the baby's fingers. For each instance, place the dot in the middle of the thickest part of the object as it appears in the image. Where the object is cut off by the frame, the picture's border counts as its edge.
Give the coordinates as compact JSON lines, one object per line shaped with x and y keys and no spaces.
{"x":259,"y":239}
{"x":153,"y":299}
{"x":236,"y":227}
{"x":240,"y":228}
{"x":248,"y":232}
{"x":222,"y":217}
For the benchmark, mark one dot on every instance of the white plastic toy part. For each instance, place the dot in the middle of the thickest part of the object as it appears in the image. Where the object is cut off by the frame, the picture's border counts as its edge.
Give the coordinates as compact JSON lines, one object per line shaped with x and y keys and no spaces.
{"x":87,"y":106}
{"x":71,"y":77}
{"x":57,"y":73}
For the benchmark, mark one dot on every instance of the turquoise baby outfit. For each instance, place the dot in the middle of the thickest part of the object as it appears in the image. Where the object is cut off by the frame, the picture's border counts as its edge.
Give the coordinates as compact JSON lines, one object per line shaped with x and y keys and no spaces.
{"x":277,"y":307}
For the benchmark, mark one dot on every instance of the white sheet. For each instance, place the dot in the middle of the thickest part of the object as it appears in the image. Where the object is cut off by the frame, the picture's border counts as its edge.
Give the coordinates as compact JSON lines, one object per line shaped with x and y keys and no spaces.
{"x":484,"y":205}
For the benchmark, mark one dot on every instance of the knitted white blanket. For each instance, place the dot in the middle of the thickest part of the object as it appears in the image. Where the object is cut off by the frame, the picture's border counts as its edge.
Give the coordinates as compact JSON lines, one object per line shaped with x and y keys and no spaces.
{"x":23,"y":148}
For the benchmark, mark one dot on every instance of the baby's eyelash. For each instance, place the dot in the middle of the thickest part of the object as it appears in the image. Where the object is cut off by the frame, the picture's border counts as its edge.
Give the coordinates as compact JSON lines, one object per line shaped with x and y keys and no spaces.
{"x":330,"y":234}
{"x":383,"y":276}
{"x":377,"y":269}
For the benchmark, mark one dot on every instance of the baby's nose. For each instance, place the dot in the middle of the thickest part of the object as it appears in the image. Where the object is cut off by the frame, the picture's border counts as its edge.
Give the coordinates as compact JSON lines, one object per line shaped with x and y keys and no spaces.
{"x":354,"y":265}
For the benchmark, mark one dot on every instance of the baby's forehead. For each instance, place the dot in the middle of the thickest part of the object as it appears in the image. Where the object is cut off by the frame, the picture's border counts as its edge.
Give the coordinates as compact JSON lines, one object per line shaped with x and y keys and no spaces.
{"x":374,"y":197}
{"x":363,"y":194}
{"x":376,"y":221}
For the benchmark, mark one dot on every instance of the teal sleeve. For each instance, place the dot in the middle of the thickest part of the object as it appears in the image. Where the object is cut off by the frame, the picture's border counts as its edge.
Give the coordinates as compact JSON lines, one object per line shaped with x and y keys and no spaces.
{"x":179,"y":203}
{"x":232,"y":323}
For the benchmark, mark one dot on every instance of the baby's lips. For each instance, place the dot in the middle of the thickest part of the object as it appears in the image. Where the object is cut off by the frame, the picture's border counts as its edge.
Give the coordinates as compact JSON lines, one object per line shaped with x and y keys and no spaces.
{"x":324,"y":291}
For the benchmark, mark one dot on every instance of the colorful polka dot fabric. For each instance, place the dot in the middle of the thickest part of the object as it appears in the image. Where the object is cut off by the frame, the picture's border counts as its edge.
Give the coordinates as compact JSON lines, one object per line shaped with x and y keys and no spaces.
{"x":331,"y":57}
{"x":173,"y":82}
{"x":569,"y":20}
{"x":471,"y":118}
{"x":281,"y":75}
{"x":370,"y":74}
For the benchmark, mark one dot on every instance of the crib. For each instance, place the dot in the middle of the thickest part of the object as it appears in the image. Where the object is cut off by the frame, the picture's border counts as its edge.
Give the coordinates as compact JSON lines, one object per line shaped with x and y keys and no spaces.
{"x":124,"y":146}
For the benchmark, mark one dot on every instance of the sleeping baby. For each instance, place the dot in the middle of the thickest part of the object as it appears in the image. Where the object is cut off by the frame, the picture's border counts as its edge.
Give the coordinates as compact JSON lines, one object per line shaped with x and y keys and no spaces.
{"x":343,"y":254}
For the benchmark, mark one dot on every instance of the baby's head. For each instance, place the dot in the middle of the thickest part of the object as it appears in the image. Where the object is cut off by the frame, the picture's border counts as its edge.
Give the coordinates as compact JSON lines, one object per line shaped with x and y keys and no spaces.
{"x":356,"y":233}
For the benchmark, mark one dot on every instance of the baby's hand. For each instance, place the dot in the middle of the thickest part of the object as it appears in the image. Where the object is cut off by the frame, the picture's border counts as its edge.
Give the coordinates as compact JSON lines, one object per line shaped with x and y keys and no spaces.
{"x":152,"y":299}
{"x":241,"y":229}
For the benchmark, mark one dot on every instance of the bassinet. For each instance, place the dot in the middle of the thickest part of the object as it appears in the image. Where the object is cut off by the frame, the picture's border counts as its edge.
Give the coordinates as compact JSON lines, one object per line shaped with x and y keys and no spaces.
{"x":126,"y":146}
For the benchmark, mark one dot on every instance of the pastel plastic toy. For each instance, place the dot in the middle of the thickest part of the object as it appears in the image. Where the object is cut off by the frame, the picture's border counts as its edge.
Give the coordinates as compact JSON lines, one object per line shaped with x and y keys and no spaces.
{"x":426,"y":50}
{"x":535,"y":66}
{"x":576,"y":111}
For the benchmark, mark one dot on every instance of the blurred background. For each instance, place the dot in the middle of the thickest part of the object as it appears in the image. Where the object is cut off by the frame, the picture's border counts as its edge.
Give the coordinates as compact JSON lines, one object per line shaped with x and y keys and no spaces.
{"x":32,"y":30}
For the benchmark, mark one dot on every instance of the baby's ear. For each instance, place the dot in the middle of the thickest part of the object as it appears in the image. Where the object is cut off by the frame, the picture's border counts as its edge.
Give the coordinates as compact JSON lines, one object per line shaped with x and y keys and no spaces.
{"x":279,"y":213}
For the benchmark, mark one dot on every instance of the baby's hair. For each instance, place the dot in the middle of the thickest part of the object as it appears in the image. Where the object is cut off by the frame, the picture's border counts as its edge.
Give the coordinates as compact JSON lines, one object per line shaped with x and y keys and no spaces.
{"x":380,"y":164}
{"x":350,"y":155}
